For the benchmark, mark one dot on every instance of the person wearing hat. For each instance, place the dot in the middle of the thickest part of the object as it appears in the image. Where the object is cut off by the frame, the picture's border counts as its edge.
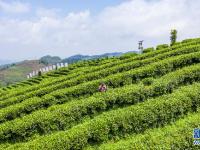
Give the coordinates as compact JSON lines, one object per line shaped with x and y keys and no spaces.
{"x":102,"y":87}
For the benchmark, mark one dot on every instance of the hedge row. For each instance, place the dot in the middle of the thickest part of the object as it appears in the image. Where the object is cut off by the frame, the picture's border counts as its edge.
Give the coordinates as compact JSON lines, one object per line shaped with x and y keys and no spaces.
{"x":117,"y":123}
{"x":16,"y":92}
{"x":62,"y":117}
{"x":162,"y":46}
{"x":11,"y":101}
{"x":177,"y":136}
{"x":46,"y":82}
{"x":147,"y":50}
{"x":102,"y":67}
{"x":156,"y":52}
{"x":97,"y":75}
{"x":89,"y":88}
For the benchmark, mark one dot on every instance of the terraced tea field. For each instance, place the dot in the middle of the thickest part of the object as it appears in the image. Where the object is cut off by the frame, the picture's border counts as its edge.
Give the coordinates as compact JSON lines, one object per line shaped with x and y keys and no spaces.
{"x":152,"y":102}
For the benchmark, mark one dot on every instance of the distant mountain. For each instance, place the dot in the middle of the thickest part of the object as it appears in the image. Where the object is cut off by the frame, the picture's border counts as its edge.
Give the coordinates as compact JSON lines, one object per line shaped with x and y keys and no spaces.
{"x":75,"y":58}
{"x":79,"y":57}
{"x":16,"y":72}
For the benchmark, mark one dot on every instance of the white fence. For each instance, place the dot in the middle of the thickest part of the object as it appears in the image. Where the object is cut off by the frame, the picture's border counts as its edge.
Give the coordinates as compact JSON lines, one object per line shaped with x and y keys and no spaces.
{"x":46,"y":69}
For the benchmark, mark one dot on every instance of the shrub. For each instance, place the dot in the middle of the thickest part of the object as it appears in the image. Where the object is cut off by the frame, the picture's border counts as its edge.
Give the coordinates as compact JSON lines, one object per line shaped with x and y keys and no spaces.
{"x":187,"y":40}
{"x":177,"y":136}
{"x":147,"y":50}
{"x":148,"y":81}
{"x":113,"y":124}
{"x":162,"y":46}
{"x":59,"y":117}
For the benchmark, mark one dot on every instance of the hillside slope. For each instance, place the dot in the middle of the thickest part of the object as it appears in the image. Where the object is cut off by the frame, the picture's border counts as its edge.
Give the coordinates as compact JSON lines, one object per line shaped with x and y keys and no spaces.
{"x":153,"y":98}
{"x":18,"y":72}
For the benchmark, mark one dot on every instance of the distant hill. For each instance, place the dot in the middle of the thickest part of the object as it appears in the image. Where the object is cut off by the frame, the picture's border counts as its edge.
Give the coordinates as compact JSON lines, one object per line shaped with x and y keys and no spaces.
{"x":76,"y":58}
{"x":17,"y":71}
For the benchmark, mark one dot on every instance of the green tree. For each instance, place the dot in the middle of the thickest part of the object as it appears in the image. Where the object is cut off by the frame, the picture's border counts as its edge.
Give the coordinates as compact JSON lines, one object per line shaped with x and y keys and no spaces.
{"x":173,"y":36}
{"x":50,"y":60}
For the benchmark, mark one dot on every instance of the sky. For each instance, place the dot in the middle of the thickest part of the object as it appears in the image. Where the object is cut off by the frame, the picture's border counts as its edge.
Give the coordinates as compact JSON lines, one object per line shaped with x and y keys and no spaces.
{"x":30,"y":29}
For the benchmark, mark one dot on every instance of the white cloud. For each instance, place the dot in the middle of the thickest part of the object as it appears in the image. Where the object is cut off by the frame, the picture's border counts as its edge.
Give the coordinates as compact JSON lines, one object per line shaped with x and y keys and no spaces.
{"x":43,"y":12}
{"x":116,"y":28}
{"x":14,"y":7}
